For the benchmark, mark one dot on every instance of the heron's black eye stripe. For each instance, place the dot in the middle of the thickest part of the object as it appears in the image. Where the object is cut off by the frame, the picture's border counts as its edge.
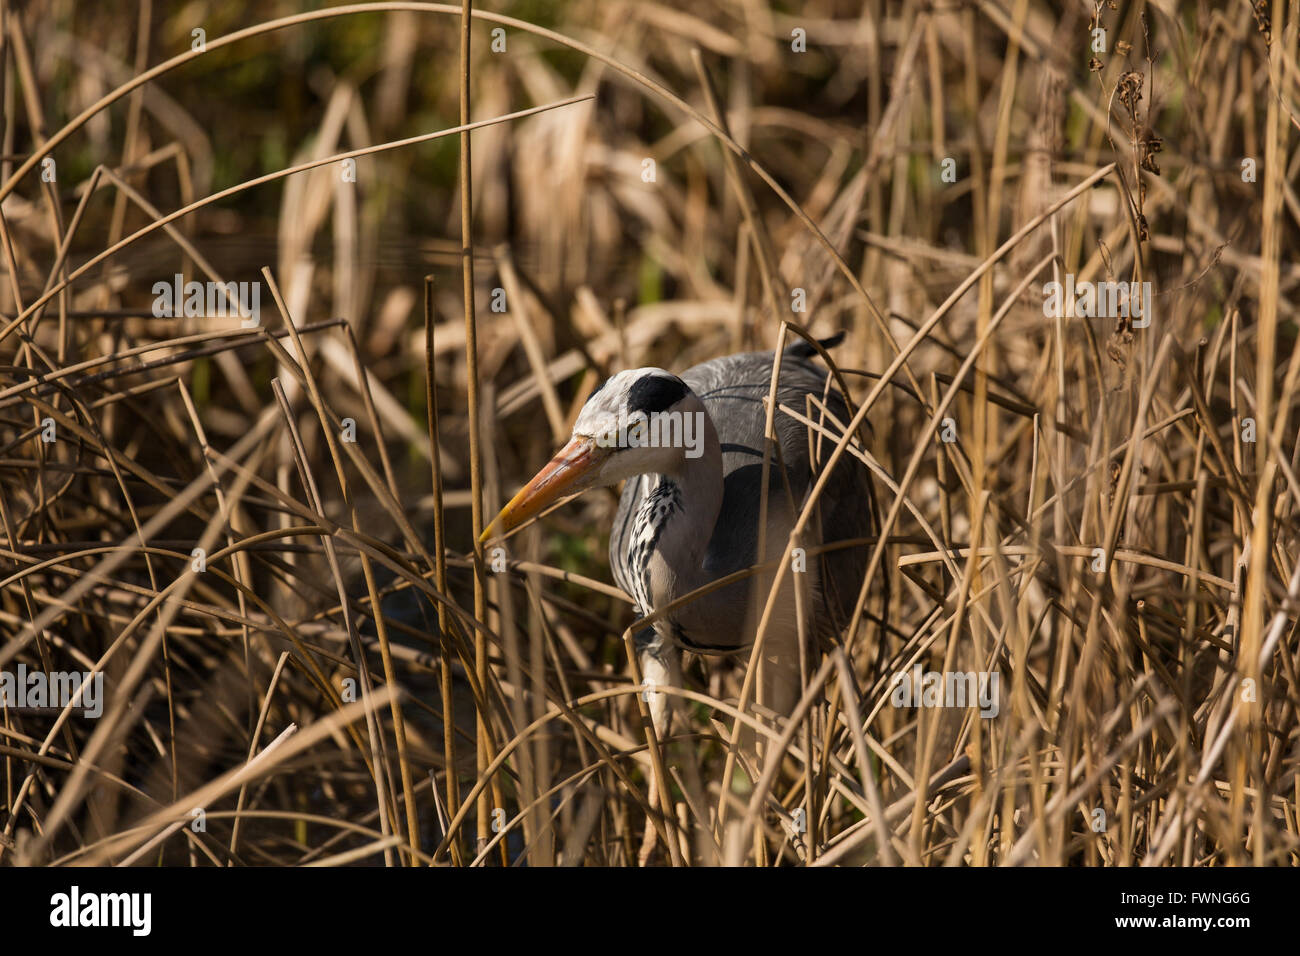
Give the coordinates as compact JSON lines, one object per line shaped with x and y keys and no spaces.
{"x":655,"y":393}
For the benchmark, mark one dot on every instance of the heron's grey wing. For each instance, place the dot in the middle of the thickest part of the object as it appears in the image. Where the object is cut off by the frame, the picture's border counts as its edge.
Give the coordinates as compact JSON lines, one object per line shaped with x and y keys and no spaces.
{"x":848,"y":510}
{"x":733,"y":389}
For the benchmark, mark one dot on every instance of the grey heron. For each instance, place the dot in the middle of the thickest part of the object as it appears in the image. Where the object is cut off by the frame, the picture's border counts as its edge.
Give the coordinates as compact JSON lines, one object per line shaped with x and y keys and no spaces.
{"x":689,"y":513}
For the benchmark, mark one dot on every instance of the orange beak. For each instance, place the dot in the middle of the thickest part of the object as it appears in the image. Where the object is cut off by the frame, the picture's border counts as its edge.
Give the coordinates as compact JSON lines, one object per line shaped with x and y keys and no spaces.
{"x":570,"y":471}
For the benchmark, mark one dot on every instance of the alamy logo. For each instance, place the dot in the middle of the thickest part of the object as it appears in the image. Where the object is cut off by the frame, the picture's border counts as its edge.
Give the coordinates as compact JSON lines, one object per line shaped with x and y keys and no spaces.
{"x":74,"y":908}
{"x":208,"y":300}
{"x":23,"y":688}
{"x":947,"y":689}
{"x":1099,"y":300}
{"x":656,"y":430}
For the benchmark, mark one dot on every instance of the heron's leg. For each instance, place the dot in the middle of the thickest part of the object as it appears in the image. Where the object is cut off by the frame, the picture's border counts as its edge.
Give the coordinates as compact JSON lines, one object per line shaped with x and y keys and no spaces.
{"x":661,"y":665}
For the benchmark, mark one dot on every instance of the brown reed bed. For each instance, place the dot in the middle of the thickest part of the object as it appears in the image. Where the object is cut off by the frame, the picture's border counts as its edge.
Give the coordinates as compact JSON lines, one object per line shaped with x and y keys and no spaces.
{"x":263,"y":535}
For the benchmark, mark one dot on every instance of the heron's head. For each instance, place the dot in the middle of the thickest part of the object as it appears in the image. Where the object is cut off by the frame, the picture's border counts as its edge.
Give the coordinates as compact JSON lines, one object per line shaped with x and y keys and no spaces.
{"x":641,"y":421}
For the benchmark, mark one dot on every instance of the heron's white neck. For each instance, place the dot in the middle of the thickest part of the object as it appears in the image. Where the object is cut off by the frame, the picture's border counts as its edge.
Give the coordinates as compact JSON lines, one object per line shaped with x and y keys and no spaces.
{"x":681,"y":519}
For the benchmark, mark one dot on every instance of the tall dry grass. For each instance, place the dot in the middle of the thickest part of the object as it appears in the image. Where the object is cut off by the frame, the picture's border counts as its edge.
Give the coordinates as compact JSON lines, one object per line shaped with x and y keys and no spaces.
{"x":1101,"y":512}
